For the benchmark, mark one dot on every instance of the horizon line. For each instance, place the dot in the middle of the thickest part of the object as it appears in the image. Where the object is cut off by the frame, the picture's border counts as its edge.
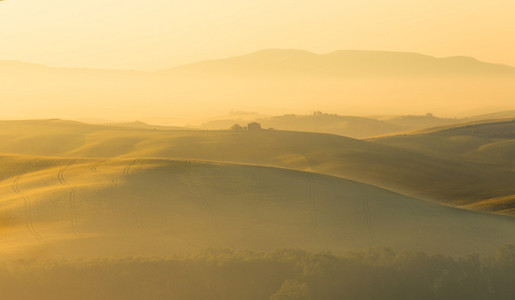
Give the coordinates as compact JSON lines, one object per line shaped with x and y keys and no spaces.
{"x":240,"y":55}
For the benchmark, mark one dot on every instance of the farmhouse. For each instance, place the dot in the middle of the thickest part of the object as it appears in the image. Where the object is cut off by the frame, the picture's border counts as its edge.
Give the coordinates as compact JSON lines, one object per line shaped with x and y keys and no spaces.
{"x":254,"y":126}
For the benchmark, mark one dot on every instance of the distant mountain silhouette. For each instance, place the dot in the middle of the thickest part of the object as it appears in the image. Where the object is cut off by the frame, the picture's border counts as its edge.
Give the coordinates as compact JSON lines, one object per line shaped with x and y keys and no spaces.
{"x":345,"y":82}
{"x":283,"y":62}
{"x":343,"y":63}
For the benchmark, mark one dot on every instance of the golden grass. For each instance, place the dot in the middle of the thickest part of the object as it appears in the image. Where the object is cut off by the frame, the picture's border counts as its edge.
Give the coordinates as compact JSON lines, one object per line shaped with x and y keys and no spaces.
{"x":503,"y":205}
{"x":102,"y":207}
{"x":454,"y":175}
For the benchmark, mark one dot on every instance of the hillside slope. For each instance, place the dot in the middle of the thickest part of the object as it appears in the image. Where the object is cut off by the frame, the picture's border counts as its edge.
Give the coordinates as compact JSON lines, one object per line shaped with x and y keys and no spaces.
{"x":83,"y":208}
{"x":489,"y":142}
{"x":427,"y":176}
{"x":350,"y":126}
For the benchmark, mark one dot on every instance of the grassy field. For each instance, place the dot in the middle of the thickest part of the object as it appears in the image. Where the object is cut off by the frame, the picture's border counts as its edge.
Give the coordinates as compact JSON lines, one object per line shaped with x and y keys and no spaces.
{"x":490,"y":143}
{"x":56,"y":208}
{"x":444,"y":176}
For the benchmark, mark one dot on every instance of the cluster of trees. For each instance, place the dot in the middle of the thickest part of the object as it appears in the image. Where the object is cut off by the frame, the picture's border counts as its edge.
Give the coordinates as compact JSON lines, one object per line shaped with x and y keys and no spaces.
{"x":376,"y":273}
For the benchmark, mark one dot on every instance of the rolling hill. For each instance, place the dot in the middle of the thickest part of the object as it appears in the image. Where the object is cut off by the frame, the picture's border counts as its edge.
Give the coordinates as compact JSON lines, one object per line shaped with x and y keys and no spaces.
{"x":350,"y":126}
{"x":487,"y":142}
{"x":412,"y":122}
{"x":495,"y":115}
{"x":490,"y":141}
{"x":430,"y":176}
{"x":55,"y":207}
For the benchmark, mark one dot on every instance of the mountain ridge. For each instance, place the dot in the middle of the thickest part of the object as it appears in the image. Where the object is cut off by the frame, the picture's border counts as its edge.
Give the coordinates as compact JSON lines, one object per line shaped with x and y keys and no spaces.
{"x":289,"y":54}
{"x":347,"y":63}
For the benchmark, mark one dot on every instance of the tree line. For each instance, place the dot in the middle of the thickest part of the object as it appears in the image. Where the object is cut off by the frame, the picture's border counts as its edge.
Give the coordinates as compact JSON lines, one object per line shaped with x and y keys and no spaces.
{"x":376,"y":273}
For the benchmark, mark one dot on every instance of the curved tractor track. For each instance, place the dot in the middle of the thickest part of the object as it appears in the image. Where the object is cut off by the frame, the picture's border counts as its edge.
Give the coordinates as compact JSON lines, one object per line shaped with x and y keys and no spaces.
{"x":72,"y":198}
{"x":126,"y":173}
{"x":27,"y":207}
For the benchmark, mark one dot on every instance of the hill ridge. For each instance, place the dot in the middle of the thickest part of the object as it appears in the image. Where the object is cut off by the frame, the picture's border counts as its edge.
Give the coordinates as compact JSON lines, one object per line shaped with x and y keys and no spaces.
{"x":269,"y":52}
{"x":71,"y":207}
{"x":347,"y":62}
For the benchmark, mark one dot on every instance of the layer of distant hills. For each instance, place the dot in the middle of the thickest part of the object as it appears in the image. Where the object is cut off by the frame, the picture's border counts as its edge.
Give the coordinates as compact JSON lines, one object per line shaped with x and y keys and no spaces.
{"x":351,"y":126}
{"x":274,"y":80}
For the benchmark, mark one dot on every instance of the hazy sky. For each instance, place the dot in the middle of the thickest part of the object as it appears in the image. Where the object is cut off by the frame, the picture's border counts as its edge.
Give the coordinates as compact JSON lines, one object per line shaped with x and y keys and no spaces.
{"x":158,"y":34}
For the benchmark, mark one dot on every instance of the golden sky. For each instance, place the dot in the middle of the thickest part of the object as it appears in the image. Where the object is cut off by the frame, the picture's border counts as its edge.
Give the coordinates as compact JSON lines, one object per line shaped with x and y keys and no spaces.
{"x":159,"y":34}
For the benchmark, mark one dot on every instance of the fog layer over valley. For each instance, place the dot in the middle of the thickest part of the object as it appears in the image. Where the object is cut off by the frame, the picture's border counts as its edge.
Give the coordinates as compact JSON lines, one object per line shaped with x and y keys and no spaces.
{"x":272,"y":81}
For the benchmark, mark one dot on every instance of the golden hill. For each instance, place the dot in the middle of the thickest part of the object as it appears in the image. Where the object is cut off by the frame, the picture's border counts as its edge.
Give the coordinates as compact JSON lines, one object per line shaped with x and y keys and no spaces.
{"x":490,"y":143}
{"x":55,"y":207}
{"x":428,"y":176}
{"x":505,"y":205}
{"x":350,"y":126}
{"x":487,"y":141}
